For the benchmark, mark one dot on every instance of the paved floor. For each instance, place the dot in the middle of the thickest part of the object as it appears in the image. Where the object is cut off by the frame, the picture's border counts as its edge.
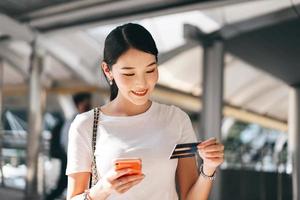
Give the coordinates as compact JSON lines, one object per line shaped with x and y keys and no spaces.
{"x":11,"y":194}
{"x":14,"y":194}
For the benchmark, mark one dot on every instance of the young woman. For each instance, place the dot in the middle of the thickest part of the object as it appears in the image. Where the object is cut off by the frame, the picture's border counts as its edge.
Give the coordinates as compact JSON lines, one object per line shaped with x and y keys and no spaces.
{"x":131,"y":125}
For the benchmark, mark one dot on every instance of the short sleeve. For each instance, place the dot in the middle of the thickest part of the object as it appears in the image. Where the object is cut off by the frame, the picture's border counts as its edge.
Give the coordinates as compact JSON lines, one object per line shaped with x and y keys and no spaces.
{"x":187,"y":131}
{"x":80,"y":144}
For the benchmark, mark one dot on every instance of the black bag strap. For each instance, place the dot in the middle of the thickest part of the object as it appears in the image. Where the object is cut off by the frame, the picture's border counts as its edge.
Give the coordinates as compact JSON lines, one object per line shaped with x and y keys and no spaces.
{"x":94,"y":176}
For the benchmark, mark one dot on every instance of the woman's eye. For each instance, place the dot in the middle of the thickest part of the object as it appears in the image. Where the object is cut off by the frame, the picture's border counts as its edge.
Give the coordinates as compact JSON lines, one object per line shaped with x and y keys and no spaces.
{"x":133,"y":74}
{"x":151,"y":71}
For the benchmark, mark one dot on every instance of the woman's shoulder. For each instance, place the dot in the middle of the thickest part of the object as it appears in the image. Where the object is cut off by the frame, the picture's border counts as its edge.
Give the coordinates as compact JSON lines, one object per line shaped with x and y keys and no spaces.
{"x":170,"y":109}
{"x":83,"y":120}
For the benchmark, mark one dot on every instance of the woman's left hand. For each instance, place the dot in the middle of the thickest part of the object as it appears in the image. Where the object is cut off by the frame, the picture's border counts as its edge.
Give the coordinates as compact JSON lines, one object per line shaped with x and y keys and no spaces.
{"x":212,"y":154}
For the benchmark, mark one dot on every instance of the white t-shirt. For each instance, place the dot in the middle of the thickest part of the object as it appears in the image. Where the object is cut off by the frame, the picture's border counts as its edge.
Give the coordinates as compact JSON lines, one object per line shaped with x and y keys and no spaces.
{"x":150,"y":136}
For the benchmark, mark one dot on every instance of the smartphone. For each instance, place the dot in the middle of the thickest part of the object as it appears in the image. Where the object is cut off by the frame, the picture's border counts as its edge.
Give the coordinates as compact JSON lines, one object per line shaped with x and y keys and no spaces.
{"x":133,"y":163}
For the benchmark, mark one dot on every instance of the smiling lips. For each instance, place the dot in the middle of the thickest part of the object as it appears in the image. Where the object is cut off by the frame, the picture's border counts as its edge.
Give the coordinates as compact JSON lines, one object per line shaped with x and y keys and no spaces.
{"x":140,"y":93}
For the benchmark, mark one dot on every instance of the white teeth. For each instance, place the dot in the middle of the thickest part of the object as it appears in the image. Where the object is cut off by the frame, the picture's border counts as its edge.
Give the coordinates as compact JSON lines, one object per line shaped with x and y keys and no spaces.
{"x":143,"y":92}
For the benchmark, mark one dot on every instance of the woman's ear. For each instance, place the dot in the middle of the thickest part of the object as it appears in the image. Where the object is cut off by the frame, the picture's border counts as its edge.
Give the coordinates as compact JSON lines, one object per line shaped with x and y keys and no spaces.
{"x":106,"y":70}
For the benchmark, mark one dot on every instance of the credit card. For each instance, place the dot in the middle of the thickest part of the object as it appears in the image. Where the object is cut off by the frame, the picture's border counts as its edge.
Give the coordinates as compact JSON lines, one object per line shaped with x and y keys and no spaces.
{"x":184,"y":150}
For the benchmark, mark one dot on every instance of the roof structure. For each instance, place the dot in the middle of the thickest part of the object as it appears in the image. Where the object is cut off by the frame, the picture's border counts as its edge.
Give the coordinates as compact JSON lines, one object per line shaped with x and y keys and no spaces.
{"x":70,"y":35}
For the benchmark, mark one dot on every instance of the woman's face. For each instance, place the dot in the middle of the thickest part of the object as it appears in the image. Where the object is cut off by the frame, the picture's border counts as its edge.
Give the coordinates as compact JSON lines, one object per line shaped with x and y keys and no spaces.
{"x":135,"y":74}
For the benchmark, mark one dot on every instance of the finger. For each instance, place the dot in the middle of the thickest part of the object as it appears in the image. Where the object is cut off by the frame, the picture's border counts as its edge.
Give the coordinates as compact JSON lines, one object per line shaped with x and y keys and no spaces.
{"x":124,"y":190}
{"x":125,"y":179}
{"x":212,"y":145}
{"x":130,"y":178}
{"x":212,"y":148}
{"x":133,"y":182}
{"x":216,"y":160}
{"x":214,"y":155}
{"x":207,"y":142}
{"x":128,"y":185}
{"x":120,"y":173}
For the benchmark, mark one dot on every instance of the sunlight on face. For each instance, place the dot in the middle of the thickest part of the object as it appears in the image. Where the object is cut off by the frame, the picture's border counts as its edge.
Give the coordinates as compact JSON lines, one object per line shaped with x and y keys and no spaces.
{"x":135,"y":74}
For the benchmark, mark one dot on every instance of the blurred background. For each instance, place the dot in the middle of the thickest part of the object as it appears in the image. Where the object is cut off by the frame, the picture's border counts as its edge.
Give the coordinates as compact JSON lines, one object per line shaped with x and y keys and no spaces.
{"x":232,"y":65}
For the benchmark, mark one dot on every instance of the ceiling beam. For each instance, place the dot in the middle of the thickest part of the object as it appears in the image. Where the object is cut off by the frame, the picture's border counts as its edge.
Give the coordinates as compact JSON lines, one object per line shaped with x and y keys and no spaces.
{"x":168,"y":96}
{"x":65,"y":56}
{"x":67,"y":6}
{"x":118,"y":12}
{"x":12,"y":27}
{"x":164,"y":57}
{"x":232,"y":30}
{"x":11,"y":60}
{"x":69,"y":68}
{"x":15,"y":30}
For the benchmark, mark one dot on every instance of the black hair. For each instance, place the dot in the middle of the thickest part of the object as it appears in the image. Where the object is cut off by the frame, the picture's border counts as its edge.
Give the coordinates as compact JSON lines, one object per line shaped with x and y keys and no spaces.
{"x":121,"y":39}
{"x":80,"y":97}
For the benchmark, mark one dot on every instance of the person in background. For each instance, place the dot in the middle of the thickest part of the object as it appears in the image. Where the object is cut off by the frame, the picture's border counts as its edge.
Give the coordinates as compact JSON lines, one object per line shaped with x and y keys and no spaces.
{"x":59,"y":142}
{"x":83,"y":104}
{"x":57,"y":152}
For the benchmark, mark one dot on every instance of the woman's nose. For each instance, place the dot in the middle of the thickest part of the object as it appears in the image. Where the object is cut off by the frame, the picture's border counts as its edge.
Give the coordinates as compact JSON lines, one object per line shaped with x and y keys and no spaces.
{"x":141,"y":81}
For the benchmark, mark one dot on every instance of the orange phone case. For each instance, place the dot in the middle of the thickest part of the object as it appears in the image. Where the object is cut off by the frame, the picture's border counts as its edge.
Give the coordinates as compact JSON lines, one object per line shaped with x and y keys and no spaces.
{"x":133,"y":163}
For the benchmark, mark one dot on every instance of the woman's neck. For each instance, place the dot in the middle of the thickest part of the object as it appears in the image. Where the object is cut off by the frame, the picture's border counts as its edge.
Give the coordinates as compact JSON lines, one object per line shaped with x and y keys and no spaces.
{"x":122,"y":107}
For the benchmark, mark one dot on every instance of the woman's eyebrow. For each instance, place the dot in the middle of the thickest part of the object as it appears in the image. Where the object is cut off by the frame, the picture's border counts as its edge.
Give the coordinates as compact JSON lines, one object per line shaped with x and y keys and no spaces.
{"x":134,"y":67}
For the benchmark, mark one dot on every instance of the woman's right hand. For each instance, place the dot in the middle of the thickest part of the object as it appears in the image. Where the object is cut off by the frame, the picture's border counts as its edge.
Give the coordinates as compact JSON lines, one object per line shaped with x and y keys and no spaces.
{"x":121,"y":181}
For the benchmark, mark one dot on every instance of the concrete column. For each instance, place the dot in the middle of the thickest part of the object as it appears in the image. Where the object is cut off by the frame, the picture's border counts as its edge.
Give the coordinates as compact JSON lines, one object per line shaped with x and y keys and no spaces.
{"x":212,"y":100}
{"x":294,"y":139}
{"x":1,"y":126}
{"x":34,"y":179}
{"x":211,"y":117}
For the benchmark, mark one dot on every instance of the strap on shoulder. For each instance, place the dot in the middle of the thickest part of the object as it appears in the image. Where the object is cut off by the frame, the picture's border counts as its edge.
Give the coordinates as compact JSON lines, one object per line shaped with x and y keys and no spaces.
{"x":94,"y":176}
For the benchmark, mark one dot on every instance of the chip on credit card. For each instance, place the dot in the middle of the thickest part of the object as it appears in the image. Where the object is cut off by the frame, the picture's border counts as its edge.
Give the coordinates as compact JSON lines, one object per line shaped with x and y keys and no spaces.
{"x":184,"y":150}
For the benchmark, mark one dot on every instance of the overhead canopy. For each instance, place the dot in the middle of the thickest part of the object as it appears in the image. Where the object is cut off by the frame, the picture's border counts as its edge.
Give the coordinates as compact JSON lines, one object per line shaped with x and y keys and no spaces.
{"x":275,"y":49}
{"x":73,"y":51}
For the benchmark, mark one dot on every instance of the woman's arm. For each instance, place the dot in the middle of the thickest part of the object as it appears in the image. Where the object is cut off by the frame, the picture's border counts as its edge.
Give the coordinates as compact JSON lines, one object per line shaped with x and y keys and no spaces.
{"x":78,"y":183}
{"x":192,"y":185}
{"x":119,"y":181}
